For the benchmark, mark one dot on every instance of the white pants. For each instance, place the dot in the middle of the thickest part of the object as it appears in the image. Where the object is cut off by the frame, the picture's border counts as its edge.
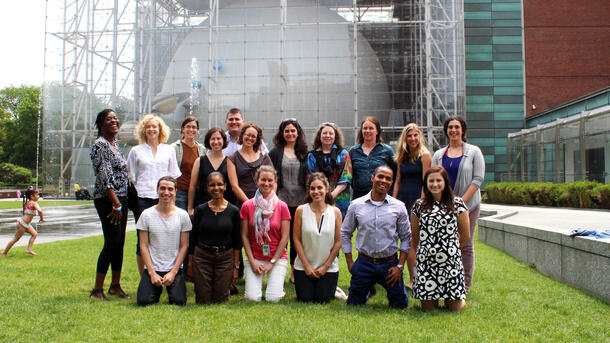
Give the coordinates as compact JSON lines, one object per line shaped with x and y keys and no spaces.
{"x":275,"y":281}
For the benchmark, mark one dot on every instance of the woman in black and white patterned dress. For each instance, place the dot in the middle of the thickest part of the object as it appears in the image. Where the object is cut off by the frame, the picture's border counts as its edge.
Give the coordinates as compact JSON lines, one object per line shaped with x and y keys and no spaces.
{"x":439,"y":225}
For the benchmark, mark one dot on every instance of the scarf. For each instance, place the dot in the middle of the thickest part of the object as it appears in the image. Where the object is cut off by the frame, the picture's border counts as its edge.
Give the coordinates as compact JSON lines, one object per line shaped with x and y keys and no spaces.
{"x":263,"y":210}
{"x":324,"y":164}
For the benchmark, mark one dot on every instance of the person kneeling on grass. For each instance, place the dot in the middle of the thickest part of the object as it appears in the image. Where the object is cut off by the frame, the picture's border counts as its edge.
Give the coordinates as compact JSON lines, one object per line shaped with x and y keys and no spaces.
{"x":164,"y":247}
{"x":381,"y":221}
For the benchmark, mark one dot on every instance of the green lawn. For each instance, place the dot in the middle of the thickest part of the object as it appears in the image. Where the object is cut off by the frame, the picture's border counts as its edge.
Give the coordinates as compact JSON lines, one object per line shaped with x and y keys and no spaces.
{"x":45,"y":299}
{"x":6,"y":205}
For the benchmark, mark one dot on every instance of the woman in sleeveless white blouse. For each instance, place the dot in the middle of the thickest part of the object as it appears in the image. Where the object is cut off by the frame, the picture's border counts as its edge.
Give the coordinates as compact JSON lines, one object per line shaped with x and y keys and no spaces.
{"x":317,"y":240}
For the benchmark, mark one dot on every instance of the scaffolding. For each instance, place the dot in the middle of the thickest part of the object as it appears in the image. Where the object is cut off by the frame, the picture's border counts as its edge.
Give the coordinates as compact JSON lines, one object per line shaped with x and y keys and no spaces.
{"x":402,"y":61}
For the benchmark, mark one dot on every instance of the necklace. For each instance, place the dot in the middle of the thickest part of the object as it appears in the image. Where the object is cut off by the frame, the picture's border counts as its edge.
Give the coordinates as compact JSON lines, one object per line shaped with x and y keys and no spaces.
{"x":452,"y":159}
{"x":216,"y":208}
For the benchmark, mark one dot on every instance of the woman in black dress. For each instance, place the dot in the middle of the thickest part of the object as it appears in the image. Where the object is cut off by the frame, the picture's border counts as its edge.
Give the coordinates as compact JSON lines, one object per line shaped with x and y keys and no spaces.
{"x":214,"y":161}
{"x":215,"y":244}
{"x":413,"y":159}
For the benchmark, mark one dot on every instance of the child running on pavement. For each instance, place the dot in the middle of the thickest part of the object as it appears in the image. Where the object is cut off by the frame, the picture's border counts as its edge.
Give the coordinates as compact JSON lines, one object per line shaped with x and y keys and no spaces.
{"x":30,"y":207}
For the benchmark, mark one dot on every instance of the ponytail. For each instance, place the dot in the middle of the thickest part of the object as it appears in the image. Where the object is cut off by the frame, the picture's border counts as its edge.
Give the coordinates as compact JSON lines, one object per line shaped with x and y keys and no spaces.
{"x":26,"y":195}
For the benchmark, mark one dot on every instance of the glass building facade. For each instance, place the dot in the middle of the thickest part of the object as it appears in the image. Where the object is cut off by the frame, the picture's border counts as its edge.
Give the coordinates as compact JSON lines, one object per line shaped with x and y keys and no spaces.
{"x":494,"y":78}
{"x":568,"y":143}
{"x":314,"y":60}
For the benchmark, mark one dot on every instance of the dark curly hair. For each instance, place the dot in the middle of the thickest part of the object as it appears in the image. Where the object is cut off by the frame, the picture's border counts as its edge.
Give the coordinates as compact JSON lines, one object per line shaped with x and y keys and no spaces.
{"x":300,"y":147}
{"x":259,"y":136}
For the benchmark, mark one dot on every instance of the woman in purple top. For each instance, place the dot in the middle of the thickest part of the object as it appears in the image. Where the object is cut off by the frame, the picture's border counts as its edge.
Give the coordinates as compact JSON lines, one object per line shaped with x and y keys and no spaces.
{"x":465,"y":167}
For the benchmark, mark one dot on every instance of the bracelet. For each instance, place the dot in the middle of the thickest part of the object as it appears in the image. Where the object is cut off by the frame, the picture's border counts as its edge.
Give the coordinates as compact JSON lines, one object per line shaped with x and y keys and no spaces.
{"x":118,"y":208}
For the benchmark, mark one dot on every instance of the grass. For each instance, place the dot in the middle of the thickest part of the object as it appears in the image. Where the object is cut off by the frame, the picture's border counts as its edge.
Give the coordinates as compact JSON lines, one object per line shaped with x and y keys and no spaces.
{"x":6,"y":205}
{"x":45,"y":298}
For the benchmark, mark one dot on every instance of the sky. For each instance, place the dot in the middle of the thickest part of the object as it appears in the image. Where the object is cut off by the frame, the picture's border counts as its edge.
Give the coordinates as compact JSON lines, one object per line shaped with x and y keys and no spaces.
{"x":22,"y":36}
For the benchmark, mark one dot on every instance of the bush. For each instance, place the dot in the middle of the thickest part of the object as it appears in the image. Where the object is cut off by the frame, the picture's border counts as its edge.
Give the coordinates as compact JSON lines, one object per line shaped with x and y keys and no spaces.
{"x":580,"y":194}
{"x":602,"y":196}
{"x":11,"y":174}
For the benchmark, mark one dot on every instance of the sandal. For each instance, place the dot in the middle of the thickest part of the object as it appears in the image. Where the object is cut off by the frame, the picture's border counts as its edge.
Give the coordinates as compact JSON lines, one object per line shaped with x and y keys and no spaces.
{"x":118,"y":291}
{"x":233,"y":290}
{"x":98,"y":293}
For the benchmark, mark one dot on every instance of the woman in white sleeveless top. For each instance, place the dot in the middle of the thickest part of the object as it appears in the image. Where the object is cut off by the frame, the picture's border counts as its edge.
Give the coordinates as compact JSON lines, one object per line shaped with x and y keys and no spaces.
{"x":317,"y":240}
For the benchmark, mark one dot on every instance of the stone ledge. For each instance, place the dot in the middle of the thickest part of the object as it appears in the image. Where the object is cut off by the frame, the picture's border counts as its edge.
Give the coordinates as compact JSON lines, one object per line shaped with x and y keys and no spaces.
{"x":582,"y":262}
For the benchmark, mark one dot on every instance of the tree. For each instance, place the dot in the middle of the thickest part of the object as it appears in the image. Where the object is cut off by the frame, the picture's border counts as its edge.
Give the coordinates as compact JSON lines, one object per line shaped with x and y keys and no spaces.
{"x":19,"y":108}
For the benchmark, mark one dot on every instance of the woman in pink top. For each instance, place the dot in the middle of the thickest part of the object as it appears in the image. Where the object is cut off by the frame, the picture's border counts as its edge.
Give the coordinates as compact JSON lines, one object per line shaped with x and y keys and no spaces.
{"x":265,"y":230}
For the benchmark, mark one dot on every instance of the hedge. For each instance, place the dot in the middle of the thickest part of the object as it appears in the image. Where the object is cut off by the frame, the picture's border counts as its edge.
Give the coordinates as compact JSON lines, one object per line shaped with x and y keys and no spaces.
{"x":580,"y":194}
{"x":13,"y":175}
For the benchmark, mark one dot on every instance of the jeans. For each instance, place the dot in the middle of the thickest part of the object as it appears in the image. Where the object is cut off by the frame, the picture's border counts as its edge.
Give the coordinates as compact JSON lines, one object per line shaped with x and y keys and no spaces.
{"x":320,"y":290}
{"x":149,"y":294}
{"x":468,"y":249}
{"x":182,"y":198}
{"x":275,"y":281}
{"x":365,"y":274}
{"x":114,"y":235}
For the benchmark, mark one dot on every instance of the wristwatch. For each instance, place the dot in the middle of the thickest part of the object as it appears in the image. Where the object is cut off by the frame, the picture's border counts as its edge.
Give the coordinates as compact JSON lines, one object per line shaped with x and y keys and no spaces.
{"x":273,"y":261}
{"x":236,"y":266}
{"x":401,"y":267}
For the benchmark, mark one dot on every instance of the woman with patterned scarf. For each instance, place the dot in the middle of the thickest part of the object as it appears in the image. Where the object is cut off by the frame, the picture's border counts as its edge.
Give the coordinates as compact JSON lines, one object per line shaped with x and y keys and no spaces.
{"x":265,"y":230}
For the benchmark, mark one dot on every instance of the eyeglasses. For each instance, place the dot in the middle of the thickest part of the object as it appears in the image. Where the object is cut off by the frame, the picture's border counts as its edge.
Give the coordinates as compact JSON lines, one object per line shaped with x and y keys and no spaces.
{"x":293,"y":120}
{"x":191,"y":127}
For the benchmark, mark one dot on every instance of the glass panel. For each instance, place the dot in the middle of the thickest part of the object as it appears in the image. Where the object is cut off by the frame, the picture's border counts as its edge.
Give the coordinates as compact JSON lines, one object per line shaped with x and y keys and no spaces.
{"x":316,"y":60}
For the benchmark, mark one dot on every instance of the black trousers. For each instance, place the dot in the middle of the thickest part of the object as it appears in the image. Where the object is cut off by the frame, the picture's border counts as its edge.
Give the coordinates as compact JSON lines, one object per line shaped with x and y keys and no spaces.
{"x":293,"y":252}
{"x":320,"y":290}
{"x":149,"y":294}
{"x":143,"y":203}
{"x":114,"y":235}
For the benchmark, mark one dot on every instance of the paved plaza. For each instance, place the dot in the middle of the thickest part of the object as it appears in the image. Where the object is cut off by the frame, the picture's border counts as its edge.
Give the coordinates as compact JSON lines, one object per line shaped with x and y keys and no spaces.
{"x":70,"y":222}
{"x":561,"y":220}
{"x":63,"y":222}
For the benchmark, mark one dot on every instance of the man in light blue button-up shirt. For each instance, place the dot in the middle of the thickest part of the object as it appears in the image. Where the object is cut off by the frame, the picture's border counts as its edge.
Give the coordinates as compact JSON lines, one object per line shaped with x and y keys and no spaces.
{"x":382,"y":222}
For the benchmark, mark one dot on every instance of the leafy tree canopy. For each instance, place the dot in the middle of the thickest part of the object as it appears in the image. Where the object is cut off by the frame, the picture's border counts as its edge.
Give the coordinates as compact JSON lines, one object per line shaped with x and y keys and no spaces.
{"x":19,"y":108}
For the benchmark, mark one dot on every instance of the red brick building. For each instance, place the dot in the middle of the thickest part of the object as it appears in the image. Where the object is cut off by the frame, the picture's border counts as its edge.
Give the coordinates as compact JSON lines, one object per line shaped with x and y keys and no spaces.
{"x":567,"y":50}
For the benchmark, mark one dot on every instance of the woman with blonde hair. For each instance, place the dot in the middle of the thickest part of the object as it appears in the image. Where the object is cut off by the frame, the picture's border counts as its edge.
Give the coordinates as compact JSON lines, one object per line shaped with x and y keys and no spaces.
{"x":413,"y":159}
{"x":265,"y":227}
{"x":147,"y":163}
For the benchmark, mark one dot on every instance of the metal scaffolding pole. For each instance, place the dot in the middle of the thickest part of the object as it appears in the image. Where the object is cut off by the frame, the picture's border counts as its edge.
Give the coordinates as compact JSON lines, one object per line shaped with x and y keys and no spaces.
{"x":113,"y":53}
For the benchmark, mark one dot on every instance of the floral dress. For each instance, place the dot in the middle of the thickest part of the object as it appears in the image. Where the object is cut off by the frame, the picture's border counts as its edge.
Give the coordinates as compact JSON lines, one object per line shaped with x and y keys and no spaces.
{"x":439,"y":273}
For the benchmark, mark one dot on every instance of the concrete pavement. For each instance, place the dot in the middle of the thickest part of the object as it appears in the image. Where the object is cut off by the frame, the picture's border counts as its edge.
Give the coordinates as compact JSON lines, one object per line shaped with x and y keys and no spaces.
{"x":63,"y":222}
{"x":561,"y":220}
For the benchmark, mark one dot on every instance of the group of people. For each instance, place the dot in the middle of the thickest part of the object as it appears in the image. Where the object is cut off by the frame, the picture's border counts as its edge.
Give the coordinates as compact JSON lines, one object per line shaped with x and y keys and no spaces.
{"x":199,"y":205}
{"x":81,"y":193}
